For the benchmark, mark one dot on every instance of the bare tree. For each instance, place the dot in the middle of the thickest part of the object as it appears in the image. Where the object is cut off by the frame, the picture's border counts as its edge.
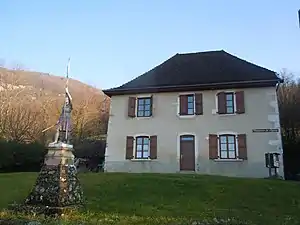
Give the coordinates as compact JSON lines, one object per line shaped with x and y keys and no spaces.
{"x":20,"y":112}
{"x":289,"y":106}
{"x":22,"y":124}
{"x":9,"y":91}
{"x":90,"y":118}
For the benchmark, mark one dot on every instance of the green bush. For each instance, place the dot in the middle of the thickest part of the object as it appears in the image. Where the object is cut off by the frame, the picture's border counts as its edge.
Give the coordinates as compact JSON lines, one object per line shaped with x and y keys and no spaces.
{"x":16,"y":157}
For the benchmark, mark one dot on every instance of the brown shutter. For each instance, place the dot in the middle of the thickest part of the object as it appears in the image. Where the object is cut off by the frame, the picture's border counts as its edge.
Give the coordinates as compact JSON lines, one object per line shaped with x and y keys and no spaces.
{"x":153,"y":147}
{"x":131,"y":106}
{"x":213,"y":146}
{"x":183,"y":105}
{"x":151,"y":106}
{"x":221,"y":103}
{"x":242,"y":146}
{"x":199,"y":104}
{"x":129,"y":147}
{"x":240,"y":103}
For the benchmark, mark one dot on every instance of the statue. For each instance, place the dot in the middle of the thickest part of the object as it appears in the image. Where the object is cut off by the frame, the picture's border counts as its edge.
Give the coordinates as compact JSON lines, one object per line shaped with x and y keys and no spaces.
{"x":57,"y":187}
{"x":63,"y":131}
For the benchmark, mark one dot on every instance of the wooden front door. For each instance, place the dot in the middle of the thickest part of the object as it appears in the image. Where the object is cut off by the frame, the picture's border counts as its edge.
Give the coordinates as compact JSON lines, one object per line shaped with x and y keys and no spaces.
{"x":187,"y":153}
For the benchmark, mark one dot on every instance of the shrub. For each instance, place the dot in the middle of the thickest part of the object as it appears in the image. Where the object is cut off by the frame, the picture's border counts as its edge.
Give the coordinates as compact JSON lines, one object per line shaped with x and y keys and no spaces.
{"x":17,"y":157}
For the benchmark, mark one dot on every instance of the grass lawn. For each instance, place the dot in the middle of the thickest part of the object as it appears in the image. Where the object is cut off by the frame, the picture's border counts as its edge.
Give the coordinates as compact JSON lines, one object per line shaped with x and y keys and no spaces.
{"x":169,"y":199}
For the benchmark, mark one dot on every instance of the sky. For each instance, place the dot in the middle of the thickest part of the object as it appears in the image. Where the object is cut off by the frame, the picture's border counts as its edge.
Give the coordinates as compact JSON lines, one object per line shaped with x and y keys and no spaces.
{"x":111,"y":42}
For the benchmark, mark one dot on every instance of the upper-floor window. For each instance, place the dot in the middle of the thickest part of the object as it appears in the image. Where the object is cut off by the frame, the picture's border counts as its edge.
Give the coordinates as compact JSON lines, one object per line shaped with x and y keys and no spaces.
{"x":231,"y":102}
{"x":144,"y":107}
{"x":190,"y":104}
{"x":140,"y":107}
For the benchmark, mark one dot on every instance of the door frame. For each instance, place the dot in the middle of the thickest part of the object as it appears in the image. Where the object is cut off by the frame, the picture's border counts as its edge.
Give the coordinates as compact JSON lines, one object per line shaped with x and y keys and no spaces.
{"x":195,"y":149}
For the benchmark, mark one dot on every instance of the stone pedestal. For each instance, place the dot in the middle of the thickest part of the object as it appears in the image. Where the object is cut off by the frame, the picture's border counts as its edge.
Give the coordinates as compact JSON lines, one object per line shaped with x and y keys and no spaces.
{"x":57,"y":186}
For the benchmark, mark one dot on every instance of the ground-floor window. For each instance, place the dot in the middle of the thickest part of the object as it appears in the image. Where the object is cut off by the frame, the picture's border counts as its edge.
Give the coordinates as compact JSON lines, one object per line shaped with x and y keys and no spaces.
{"x":227,"y":146}
{"x":142,"y":147}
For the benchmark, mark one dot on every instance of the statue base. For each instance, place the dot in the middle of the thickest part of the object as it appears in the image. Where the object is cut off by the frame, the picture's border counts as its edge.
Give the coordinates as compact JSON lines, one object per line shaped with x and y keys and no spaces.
{"x":57,"y":187}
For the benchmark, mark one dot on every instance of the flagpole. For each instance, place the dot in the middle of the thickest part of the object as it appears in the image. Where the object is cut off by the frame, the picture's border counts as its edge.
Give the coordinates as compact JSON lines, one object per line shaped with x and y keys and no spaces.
{"x":68,"y":70}
{"x":67,"y":83}
{"x":299,"y":17}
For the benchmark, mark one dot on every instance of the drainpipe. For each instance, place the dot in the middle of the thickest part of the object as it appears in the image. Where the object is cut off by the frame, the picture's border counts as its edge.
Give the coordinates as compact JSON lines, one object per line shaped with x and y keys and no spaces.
{"x":280,"y":81}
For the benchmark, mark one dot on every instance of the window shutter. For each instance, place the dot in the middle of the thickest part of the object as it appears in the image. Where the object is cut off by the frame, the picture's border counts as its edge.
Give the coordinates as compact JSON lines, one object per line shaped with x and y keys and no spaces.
{"x":221,"y":103}
{"x":129,"y":147}
{"x":240,"y":103}
{"x":131,"y":106}
{"x":183,"y":105}
{"x":242,"y":146}
{"x":199,"y":104}
{"x":213,"y":146}
{"x":151,"y":106}
{"x":153,"y":147}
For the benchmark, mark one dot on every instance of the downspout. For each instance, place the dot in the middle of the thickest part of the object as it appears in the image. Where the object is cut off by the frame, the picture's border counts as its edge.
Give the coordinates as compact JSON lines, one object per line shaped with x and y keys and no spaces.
{"x":279,"y":133}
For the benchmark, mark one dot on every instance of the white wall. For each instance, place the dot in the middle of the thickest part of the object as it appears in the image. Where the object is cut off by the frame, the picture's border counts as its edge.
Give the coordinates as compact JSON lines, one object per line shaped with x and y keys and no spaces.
{"x":261,"y":112}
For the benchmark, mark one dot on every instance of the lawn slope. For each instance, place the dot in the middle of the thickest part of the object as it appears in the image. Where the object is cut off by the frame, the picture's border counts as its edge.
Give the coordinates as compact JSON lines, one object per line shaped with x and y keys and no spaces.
{"x":161,"y":199}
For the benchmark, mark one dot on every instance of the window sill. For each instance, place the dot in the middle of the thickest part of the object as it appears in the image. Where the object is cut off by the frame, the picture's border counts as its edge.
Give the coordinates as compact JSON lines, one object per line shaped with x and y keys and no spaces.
{"x":215,"y":112}
{"x":141,"y":118}
{"x":137,"y":160}
{"x":224,"y":115}
{"x":186,"y":116}
{"x":228,"y":160}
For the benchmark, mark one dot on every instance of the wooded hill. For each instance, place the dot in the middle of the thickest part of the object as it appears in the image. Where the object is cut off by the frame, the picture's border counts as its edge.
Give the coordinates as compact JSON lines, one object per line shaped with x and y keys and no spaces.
{"x":32,"y":101}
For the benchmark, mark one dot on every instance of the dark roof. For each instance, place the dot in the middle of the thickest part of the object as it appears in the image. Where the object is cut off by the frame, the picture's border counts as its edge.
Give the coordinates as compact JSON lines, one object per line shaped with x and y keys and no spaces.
{"x":204,"y":70}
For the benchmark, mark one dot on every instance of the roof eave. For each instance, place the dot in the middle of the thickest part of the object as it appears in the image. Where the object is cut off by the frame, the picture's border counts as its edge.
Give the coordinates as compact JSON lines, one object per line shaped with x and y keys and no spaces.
{"x":198,"y":87}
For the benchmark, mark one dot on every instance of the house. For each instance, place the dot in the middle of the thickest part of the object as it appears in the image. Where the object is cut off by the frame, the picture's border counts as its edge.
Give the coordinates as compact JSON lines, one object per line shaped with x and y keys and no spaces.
{"x":207,"y":112}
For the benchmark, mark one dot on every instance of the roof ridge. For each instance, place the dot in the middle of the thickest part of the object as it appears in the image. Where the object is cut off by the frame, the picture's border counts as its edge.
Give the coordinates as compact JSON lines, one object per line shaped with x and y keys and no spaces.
{"x":203,"y":52}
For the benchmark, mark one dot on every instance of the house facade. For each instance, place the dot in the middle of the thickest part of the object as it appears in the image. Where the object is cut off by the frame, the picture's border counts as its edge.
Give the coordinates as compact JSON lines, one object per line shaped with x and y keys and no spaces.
{"x":209,"y":112}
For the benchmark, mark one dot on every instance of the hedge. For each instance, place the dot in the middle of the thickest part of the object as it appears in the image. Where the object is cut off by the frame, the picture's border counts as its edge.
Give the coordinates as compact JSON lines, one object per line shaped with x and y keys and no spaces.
{"x":18,"y":157}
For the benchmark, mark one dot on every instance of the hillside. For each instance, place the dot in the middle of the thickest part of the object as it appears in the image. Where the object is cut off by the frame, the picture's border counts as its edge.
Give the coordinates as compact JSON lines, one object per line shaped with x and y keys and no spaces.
{"x":53,"y":86}
{"x":119,"y":198}
{"x":32,"y":101}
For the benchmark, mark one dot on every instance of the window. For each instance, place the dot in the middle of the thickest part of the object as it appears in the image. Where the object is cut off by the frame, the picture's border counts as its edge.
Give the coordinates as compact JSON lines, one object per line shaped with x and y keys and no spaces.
{"x":142,"y":147}
{"x":144,"y":107}
{"x":187,"y":138}
{"x":190,"y":104}
{"x":229,"y":103}
{"x":227,"y":146}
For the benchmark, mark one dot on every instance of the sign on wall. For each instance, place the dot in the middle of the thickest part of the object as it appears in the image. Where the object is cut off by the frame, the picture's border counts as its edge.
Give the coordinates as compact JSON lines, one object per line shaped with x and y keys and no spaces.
{"x":265,"y":130}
